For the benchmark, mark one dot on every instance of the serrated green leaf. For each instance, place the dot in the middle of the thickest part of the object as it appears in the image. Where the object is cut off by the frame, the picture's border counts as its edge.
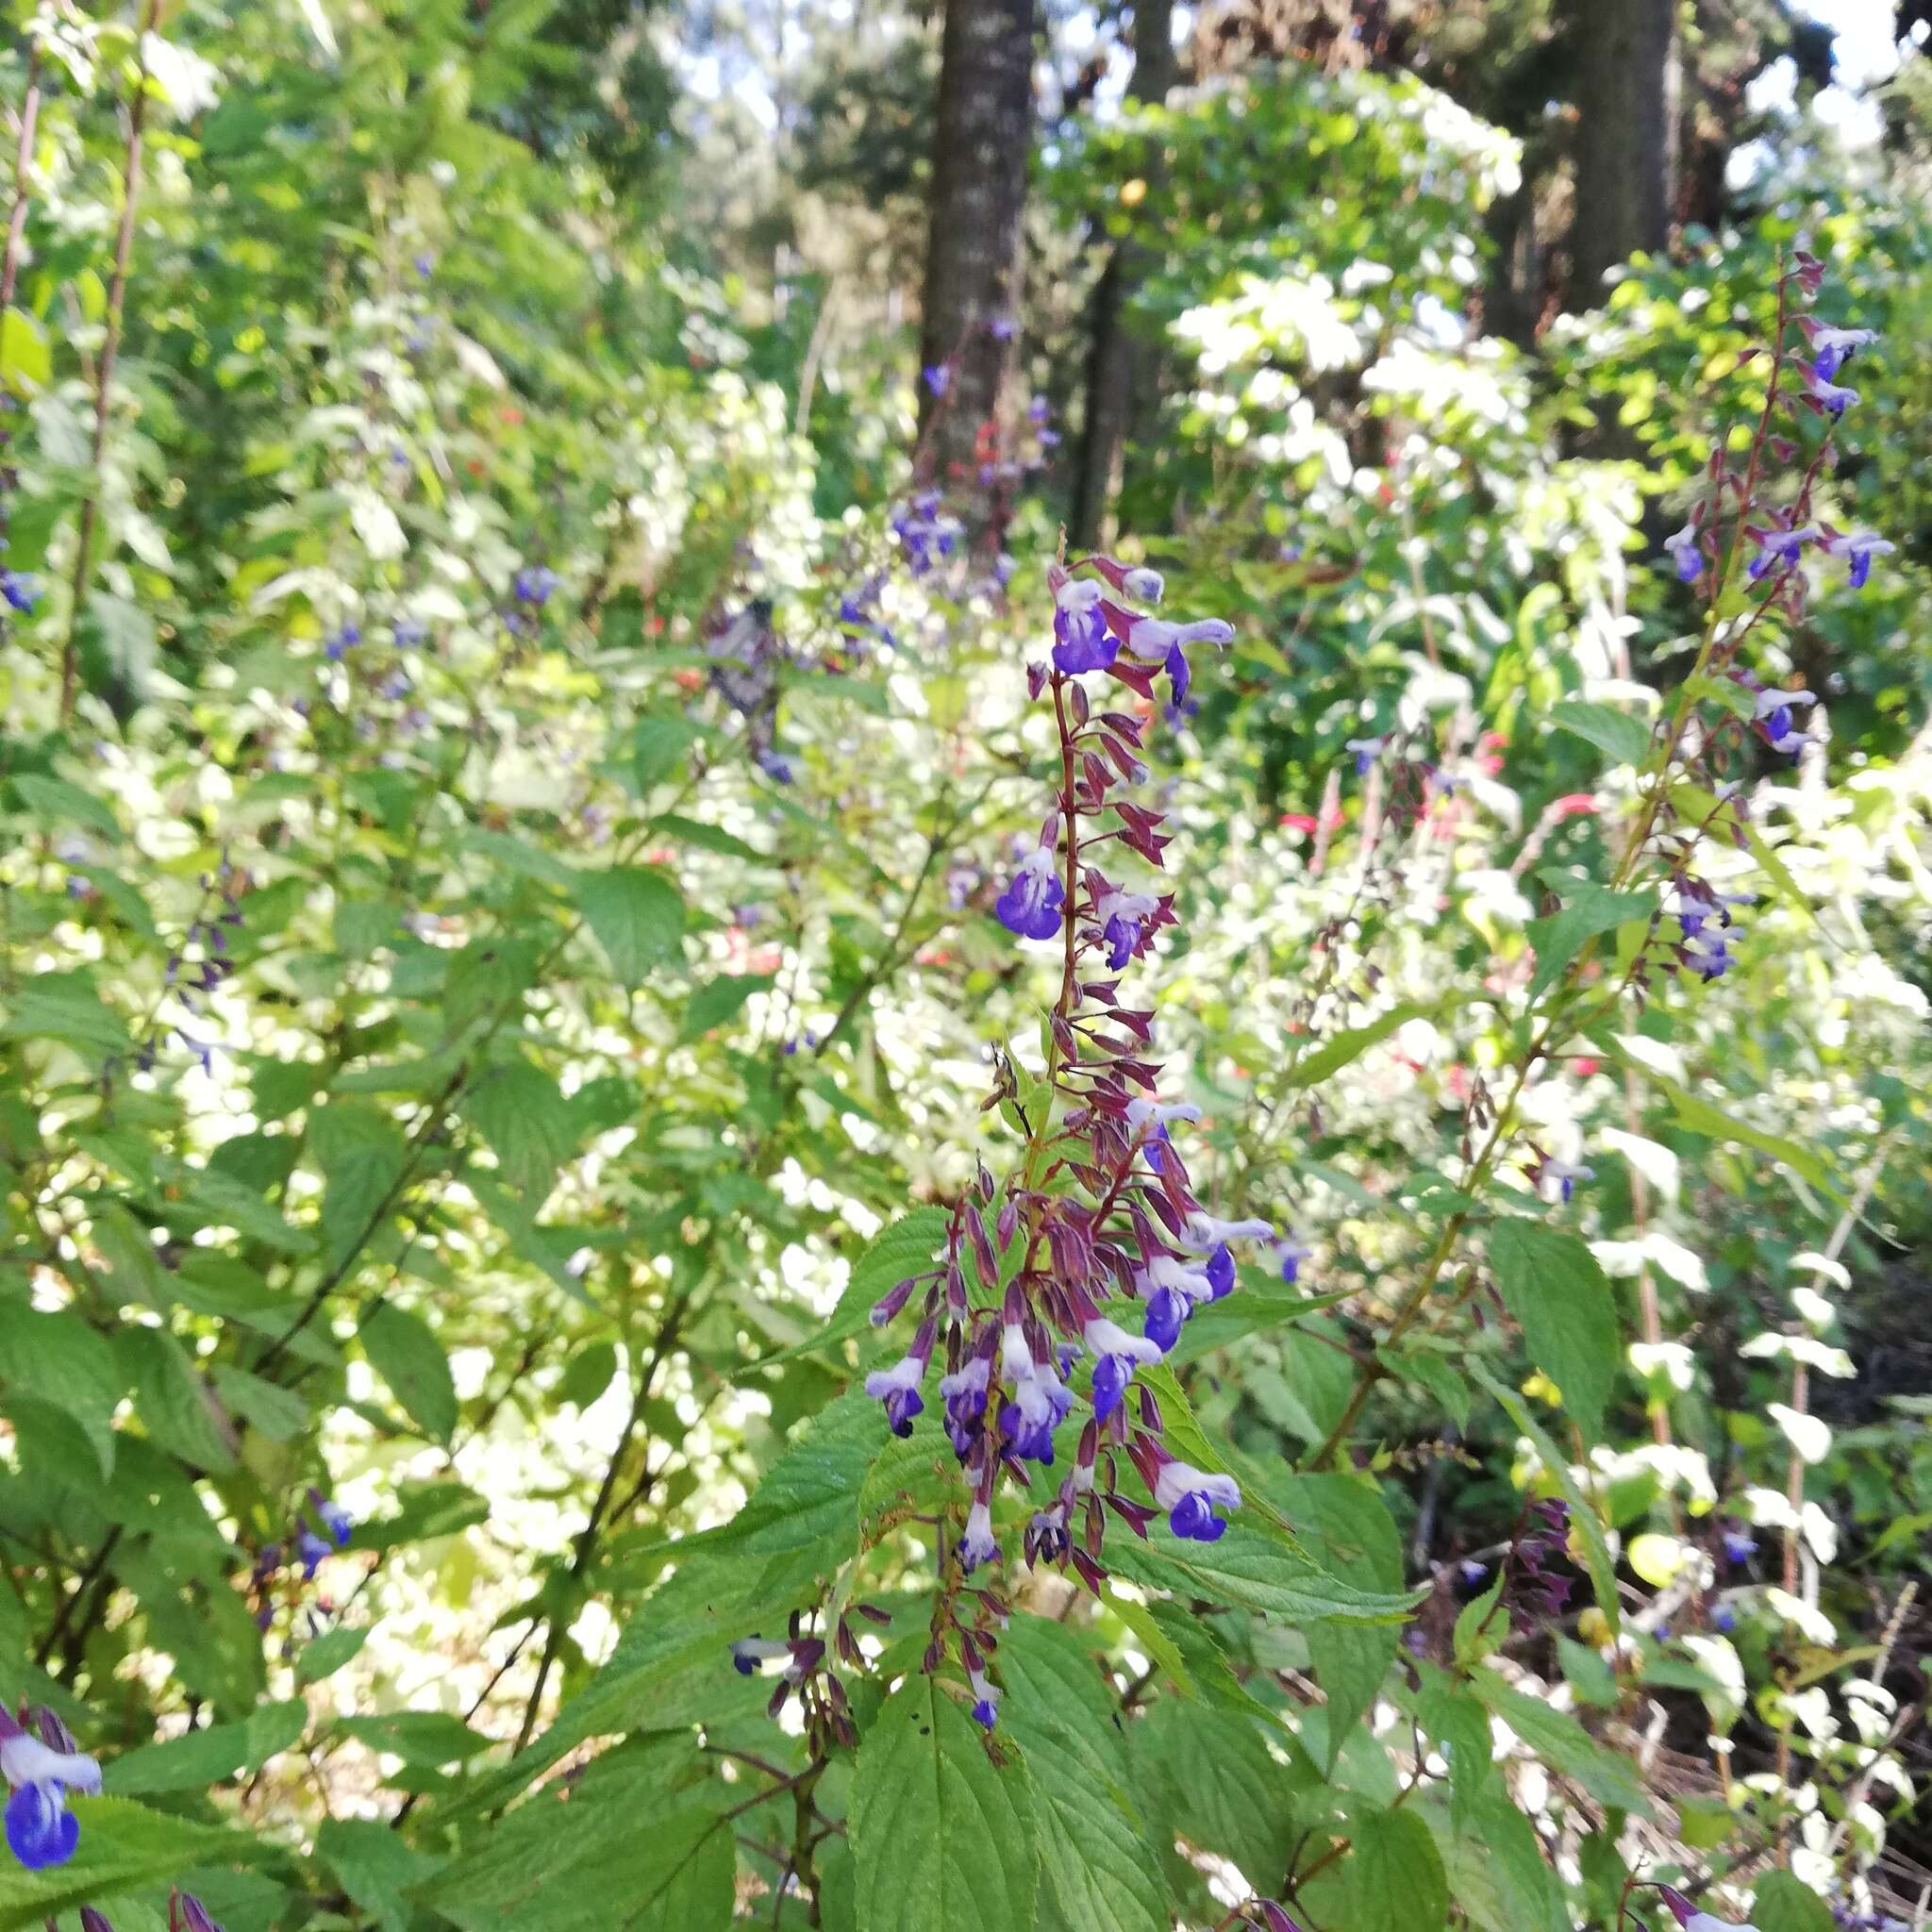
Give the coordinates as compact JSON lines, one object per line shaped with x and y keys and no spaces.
{"x":1336,"y":1052}
{"x":404,"y":1351}
{"x":1624,"y":740}
{"x":1589,"y":910}
{"x":637,"y":915}
{"x":53,"y":1356}
{"x":522,"y":1114}
{"x":1561,"y":1300}
{"x":719,"y":1000}
{"x":941,"y":1838}
{"x":1563,"y":1744}
{"x":1350,"y":1533}
{"x":1393,"y":1878}
{"x":1211,"y":1779}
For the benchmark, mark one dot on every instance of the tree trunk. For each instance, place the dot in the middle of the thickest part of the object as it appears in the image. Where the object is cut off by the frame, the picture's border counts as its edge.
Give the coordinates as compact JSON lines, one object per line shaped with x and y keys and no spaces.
{"x":1626,"y":136}
{"x":1114,"y":359}
{"x":983,"y":132}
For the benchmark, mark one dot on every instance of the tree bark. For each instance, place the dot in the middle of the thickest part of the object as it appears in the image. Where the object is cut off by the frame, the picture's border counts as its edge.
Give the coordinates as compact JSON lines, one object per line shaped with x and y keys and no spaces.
{"x":1626,"y":136}
{"x":1115,"y":359}
{"x":983,"y":133}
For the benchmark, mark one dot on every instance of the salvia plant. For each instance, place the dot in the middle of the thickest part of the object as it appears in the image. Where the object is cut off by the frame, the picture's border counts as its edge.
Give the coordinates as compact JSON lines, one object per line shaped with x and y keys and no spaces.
{"x":721,"y":1207}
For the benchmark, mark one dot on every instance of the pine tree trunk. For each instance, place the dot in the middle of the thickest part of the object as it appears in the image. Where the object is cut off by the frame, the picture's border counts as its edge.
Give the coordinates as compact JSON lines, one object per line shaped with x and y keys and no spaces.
{"x":1114,"y":359}
{"x":1626,"y":136}
{"x":983,"y":132}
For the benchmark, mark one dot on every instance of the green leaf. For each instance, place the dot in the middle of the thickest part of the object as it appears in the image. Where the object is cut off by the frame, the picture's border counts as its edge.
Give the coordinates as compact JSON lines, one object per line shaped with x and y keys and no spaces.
{"x":1563,"y":1744}
{"x":1784,"y":1904}
{"x":657,"y":747}
{"x":581,"y":1864}
{"x":279,"y":1413}
{"x":638,"y":916}
{"x":1562,"y":1301}
{"x":1103,"y":1872}
{"x":1393,"y":1878}
{"x":907,"y":1247}
{"x":1584,"y":1520}
{"x":204,"y":1757}
{"x":374,"y":1865}
{"x":1211,"y":1779}
{"x":522,"y":1114}
{"x":1352,"y":1533}
{"x":67,"y":1008}
{"x":427,"y":1738}
{"x":1250,"y":1572}
{"x":1624,"y":739}
{"x":361,"y":1180}
{"x":587,"y":1373}
{"x":1497,"y":1869}
{"x":1700,"y":1117}
{"x":123,"y":1845}
{"x":719,"y":1000}
{"x":26,"y":361}
{"x":1336,"y":1052}
{"x":175,"y":1406}
{"x":941,"y":1838}
{"x":322,"y":1657}
{"x":706,"y":838}
{"x":404,"y":1351}
{"x":1591,"y":909}
{"x":53,"y":802}
{"x":56,"y":1359}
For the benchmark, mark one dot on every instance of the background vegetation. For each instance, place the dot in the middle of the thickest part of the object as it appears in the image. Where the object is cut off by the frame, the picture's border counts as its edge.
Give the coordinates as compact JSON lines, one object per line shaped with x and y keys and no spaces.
{"x":505,"y":781}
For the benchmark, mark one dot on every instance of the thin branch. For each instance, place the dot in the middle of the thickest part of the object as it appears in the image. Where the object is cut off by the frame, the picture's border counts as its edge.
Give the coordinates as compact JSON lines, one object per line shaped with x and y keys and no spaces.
{"x":110,"y":349}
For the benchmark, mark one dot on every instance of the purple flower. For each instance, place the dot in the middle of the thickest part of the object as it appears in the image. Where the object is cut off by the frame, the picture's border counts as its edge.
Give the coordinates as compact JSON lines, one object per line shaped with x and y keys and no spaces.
{"x":346,"y":638}
{"x":1030,"y":905}
{"x":1082,"y":641}
{"x":333,"y":1518}
{"x":311,"y":1549}
{"x":425,"y":265}
{"x":1834,"y":398}
{"x":1366,"y":750}
{"x":40,"y":1830}
{"x":776,"y":766}
{"x":1121,"y":916}
{"x":1291,"y":1254}
{"x":1038,"y":1400}
{"x":938,"y":378}
{"x":20,"y":591}
{"x":1831,"y":347}
{"x":1683,"y":548}
{"x":409,"y":632}
{"x":1857,"y":550}
{"x":986,"y":1695}
{"x":1560,"y":1176}
{"x":977,"y":1546}
{"x":898,"y":1388}
{"x":1116,"y":1355}
{"x":1723,"y":1618}
{"x":1001,"y":329}
{"x":1191,"y":1497}
{"x":1772,"y":714}
{"x":1780,"y":549}
{"x":748,"y":1653}
{"x":964,"y":1396}
{"x":1168,"y":1309}
{"x":1739,"y":1546}
{"x":533,"y":584}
